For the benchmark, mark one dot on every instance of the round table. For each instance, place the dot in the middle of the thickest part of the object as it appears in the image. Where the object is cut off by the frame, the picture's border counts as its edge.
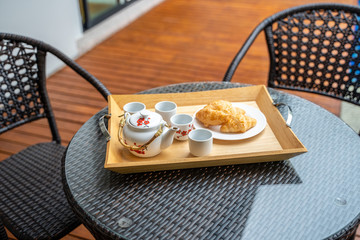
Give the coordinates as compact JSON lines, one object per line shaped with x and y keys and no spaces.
{"x":315,"y":195}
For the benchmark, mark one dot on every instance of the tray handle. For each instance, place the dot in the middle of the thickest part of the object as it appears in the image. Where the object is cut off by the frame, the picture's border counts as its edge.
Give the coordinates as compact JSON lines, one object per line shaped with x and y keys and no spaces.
{"x":103,"y":128}
{"x":289,"y":115}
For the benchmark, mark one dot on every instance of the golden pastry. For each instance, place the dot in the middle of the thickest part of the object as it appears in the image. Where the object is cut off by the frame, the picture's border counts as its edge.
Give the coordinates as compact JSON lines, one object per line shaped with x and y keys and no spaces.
{"x":215,"y":113}
{"x":239,"y":110}
{"x":238,"y":123}
{"x":223,"y":106}
{"x":232,"y":119}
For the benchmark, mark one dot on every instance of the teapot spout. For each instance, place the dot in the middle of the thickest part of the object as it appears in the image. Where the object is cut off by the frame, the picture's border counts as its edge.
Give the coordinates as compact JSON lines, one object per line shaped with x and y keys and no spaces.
{"x":168,"y":137}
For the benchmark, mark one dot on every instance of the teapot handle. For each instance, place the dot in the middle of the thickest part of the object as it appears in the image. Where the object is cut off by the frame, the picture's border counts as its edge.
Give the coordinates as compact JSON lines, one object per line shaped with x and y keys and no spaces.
{"x":136,"y":148}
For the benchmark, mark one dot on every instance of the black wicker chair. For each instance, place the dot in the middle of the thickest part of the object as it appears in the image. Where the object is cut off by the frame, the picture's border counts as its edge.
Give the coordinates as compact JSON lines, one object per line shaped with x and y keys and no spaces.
{"x":32,"y":202}
{"x":313,"y":48}
{"x":3,"y":234}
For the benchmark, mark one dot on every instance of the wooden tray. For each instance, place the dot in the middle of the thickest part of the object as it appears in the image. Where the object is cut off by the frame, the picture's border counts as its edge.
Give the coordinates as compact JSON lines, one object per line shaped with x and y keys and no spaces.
{"x":276,"y":142}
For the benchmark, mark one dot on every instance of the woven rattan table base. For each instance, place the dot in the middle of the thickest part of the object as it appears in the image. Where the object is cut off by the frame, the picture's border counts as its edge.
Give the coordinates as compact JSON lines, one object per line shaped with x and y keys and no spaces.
{"x":313,"y":196}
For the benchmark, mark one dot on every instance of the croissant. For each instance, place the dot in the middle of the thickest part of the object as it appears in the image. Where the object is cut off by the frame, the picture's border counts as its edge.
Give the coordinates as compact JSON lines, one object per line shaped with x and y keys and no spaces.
{"x":215,"y":113}
{"x":220,"y":112}
{"x":238,"y":123}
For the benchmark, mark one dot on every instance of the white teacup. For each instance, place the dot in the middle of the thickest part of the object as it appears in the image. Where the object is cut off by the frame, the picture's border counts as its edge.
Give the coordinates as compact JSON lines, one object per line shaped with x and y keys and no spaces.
{"x":185,"y":123}
{"x":166,"y":109}
{"x":134,"y":107}
{"x":200,"y":142}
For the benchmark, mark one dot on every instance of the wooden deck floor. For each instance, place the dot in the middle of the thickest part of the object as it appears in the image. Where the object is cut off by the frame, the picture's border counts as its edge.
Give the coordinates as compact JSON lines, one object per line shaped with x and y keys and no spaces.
{"x":178,"y":41}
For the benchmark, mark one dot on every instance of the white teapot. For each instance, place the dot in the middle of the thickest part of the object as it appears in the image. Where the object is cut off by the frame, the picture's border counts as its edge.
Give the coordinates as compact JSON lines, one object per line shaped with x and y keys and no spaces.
{"x":145,"y":133}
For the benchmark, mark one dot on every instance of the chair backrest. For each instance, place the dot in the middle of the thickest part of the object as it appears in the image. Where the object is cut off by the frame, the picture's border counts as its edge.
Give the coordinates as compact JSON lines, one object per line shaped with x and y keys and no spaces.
{"x":313,"y":48}
{"x":23,"y":94}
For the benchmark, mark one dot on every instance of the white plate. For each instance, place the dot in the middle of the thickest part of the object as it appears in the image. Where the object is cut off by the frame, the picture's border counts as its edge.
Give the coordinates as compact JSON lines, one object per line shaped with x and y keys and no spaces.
{"x":250,"y":111}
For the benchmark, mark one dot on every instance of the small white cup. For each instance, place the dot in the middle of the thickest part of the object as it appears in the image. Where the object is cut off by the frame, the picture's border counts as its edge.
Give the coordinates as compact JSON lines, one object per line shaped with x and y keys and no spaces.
{"x":185,"y":123}
{"x":200,"y":142}
{"x":134,"y":107}
{"x":166,"y":109}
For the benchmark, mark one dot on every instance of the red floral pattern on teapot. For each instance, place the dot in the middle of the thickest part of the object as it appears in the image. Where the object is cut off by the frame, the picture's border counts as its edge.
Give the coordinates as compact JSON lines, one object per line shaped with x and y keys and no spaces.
{"x":137,"y":151}
{"x":143,"y":121}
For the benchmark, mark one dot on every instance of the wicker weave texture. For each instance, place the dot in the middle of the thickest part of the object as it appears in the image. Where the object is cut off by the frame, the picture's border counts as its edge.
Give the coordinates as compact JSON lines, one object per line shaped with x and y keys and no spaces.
{"x":20,"y":99}
{"x":32,"y":201}
{"x":318,"y":50}
{"x":23,"y":91}
{"x":313,"y":48}
{"x":256,"y":201}
{"x":3,"y":234}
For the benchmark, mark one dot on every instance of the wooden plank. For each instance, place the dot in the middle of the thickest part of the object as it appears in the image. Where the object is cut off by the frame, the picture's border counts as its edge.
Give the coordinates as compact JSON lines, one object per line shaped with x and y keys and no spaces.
{"x":10,"y":147}
{"x":70,"y":237}
{"x":72,"y":116}
{"x":10,"y":235}
{"x":82,"y":232}
{"x":4,"y":155}
{"x":76,"y":92}
{"x":63,"y":126}
{"x":22,"y":138}
{"x":76,"y":108}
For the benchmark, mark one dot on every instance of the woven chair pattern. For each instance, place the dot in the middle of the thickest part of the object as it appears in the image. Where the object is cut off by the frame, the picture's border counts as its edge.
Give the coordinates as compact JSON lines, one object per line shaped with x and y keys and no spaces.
{"x":3,"y":234}
{"x":318,"y":50}
{"x":32,"y":201}
{"x":19,"y":77}
{"x":313,"y":48}
{"x":36,"y":208}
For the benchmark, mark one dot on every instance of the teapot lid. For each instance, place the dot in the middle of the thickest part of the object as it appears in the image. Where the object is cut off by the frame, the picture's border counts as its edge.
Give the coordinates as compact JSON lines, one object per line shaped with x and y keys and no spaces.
{"x":145,"y":119}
